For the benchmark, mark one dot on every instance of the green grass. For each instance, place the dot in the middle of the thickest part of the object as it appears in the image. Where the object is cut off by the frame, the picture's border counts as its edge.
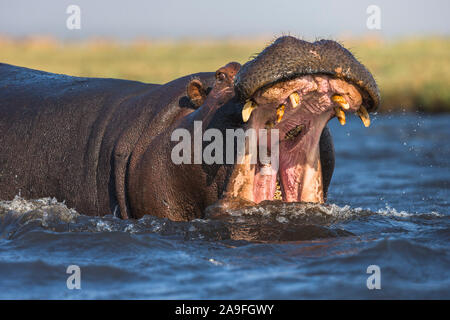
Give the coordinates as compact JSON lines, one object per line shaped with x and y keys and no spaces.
{"x":413,"y":74}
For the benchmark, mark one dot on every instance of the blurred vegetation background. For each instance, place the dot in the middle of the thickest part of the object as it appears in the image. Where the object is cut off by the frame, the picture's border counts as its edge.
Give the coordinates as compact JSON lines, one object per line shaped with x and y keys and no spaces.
{"x":413,"y":74}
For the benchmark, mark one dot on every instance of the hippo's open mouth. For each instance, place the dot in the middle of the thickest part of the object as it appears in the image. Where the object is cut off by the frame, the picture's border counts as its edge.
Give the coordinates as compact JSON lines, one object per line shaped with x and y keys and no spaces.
{"x":297,"y":87}
{"x":299,"y":108}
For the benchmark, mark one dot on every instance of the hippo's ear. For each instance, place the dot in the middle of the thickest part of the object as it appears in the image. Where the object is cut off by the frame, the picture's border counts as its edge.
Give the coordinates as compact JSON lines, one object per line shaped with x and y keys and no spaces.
{"x":196,"y":92}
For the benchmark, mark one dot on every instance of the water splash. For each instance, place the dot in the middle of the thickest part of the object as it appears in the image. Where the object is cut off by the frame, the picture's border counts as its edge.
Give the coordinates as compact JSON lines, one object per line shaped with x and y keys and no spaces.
{"x":269,"y":221}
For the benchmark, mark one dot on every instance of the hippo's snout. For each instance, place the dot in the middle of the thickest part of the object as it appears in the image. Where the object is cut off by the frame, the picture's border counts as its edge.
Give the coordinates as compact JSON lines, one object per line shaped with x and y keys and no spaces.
{"x":294,"y":88}
{"x":289,"y":58}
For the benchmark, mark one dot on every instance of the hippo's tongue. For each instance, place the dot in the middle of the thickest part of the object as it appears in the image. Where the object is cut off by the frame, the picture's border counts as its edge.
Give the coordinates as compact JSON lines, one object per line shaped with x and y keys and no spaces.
{"x":299,"y":109}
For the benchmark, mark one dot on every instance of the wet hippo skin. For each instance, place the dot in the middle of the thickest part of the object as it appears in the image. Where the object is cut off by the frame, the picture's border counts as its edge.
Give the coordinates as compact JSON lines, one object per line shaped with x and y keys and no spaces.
{"x":104,"y":145}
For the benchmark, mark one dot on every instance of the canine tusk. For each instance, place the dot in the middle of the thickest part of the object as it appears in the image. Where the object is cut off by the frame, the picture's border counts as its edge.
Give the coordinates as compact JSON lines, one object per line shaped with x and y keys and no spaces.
{"x":295,"y":99}
{"x":340,"y":100}
{"x":280,"y":112}
{"x":364,"y":115}
{"x":340,"y":114}
{"x":247,"y":110}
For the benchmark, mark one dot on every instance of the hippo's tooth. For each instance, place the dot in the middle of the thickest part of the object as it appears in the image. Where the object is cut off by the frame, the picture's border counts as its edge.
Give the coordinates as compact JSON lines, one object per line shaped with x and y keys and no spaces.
{"x":269,"y":124}
{"x":295,"y":99}
{"x":364,"y":115}
{"x":340,"y":100}
{"x":340,"y":114}
{"x":247,"y":110}
{"x":278,"y":195}
{"x":280,"y":112}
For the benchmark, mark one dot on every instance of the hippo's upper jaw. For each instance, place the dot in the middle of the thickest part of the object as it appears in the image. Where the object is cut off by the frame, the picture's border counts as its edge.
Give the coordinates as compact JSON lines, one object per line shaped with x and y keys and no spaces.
{"x":297,"y":87}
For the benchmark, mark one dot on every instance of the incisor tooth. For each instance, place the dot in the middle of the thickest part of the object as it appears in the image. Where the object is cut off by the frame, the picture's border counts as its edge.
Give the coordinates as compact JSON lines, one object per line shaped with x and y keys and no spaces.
{"x":249,"y":106}
{"x":278,"y":195}
{"x":340,"y":114}
{"x":364,"y":115}
{"x":340,"y":100}
{"x":280,"y":112}
{"x":295,"y":99}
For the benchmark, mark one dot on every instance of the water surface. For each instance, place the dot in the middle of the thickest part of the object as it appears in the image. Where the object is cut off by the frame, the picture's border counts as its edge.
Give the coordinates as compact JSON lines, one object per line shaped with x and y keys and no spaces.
{"x":388,"y":206}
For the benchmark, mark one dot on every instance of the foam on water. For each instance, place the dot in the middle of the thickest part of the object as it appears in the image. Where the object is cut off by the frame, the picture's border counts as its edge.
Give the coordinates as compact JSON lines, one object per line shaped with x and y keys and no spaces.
{"x":268,"y":221}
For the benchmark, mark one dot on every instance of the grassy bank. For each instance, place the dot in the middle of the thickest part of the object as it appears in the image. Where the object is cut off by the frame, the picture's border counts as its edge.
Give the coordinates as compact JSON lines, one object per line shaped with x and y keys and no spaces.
{"x":413,"y":74}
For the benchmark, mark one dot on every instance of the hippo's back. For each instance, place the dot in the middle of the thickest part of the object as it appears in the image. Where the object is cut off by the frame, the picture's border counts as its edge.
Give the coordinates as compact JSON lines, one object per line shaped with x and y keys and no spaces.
{"x":51,"y":133}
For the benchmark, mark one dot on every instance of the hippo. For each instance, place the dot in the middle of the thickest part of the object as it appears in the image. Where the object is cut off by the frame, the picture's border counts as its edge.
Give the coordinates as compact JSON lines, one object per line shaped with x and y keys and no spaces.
{"x":105,"y":146}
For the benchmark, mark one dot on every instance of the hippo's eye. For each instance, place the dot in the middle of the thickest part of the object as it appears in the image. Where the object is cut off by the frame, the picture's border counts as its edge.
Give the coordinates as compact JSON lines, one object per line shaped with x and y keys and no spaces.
{"x":220,"y":76}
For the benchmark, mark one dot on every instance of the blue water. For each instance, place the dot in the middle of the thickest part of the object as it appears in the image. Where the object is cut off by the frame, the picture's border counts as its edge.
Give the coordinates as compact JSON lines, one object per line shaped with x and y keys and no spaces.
{"x":388,"y":206}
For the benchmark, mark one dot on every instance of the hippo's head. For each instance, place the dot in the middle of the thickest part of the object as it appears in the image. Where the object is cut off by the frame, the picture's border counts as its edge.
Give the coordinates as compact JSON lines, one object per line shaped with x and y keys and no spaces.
{"x":295,"y":87}
{"x":284,"y":96}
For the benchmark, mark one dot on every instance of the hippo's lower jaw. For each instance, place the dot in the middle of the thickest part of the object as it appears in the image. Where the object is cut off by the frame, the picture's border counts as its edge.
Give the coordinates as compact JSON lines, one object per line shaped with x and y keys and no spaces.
{"x":300,"y":109}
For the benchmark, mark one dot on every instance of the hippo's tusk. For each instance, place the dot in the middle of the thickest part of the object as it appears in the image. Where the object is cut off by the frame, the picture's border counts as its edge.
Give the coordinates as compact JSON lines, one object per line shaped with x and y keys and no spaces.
{"x":364,"y":115}
{"x":295,"y":99}
{"x":278,"y":195}
{"x":340,"y":114}
{"x":247,"y":110}
{"x":340,"y":100}
{"x":280,"y":112}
